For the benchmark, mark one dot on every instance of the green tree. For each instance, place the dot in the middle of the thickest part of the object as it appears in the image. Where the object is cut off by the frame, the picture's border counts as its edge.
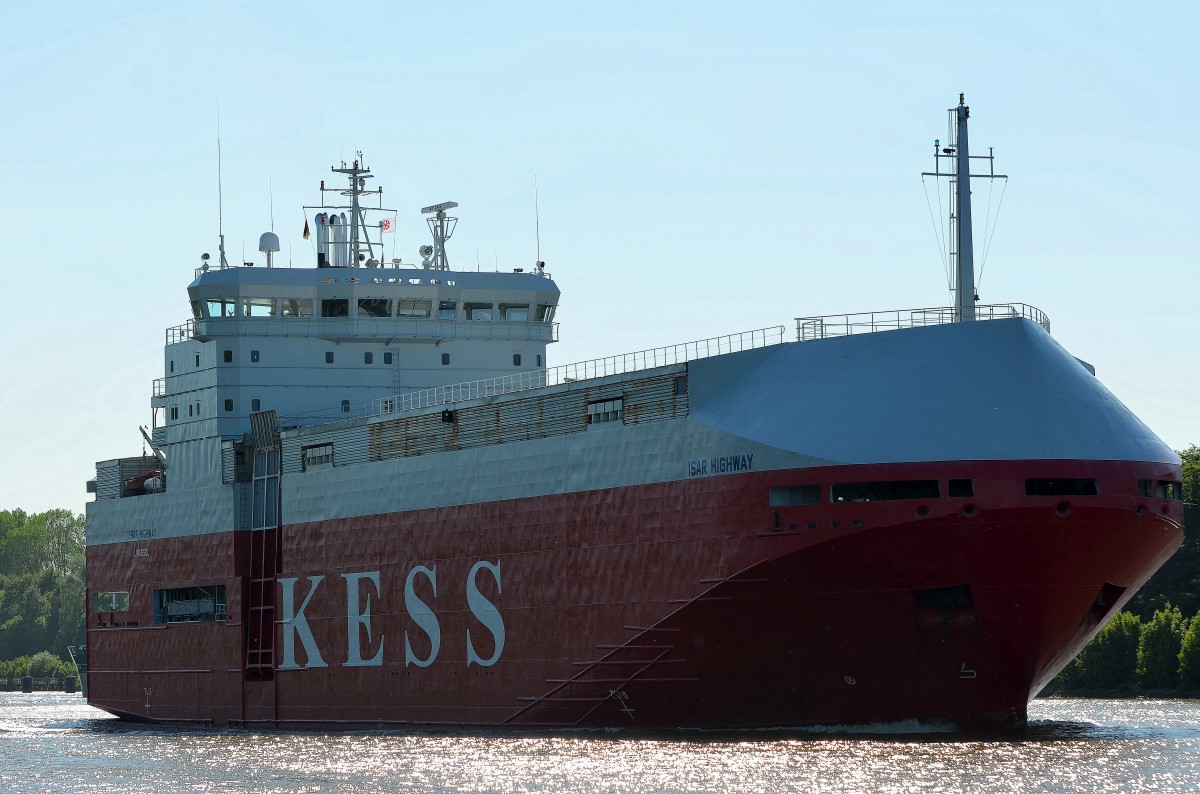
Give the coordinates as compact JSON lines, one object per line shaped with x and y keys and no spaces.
{"x":1189,"y":657}
{"x":1191,"y":473}
{"x":1108,"y":662}
{"x":41,"y":582}
{"x":1158,"y":650}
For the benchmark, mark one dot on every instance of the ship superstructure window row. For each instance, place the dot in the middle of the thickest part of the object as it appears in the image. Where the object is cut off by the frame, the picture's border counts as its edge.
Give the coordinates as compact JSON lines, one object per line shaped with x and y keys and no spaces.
{"x":370,"y":308}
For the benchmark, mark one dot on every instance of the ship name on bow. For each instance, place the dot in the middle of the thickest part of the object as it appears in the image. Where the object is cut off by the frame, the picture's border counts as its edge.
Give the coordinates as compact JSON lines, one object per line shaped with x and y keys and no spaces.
{"x":725,"y":464}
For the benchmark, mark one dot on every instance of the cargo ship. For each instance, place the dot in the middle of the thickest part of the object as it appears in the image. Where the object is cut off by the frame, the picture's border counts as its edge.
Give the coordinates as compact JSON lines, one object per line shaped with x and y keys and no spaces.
{"x":367,"y":499}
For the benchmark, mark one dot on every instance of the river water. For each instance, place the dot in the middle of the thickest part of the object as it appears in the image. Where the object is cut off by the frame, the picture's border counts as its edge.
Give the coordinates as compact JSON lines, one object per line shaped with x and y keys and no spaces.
{"x":55,"y":742}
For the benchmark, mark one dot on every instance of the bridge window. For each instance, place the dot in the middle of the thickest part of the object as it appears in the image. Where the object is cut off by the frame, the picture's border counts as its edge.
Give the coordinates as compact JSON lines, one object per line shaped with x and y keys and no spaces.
{"x":258,"y":307}
{"x":335,"y":307}
{"x":197,"y":310}
{"x":545,"y":313}
{"x":190,"y":604}
{"x":297,"y":307}
{"x":222,"y":307}
{"x":478,"y":311}
{"x":374,"y":307}
{"x":414,"y":307}
{"x":885,"y":490}
{"x":447,"y":310}
{"x":514,"y":314}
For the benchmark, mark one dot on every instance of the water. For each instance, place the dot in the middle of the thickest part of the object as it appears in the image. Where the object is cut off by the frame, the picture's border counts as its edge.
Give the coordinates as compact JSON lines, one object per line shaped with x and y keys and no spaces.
{"x":55,"y":742}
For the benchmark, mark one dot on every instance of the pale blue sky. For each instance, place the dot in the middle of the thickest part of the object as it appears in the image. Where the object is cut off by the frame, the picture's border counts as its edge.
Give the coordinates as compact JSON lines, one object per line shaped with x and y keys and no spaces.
{"x":703,"y":168}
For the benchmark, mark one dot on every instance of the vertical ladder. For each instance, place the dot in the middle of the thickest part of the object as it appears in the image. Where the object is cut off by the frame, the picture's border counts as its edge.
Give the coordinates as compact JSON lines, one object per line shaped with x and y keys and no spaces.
{"x":265,"y":552}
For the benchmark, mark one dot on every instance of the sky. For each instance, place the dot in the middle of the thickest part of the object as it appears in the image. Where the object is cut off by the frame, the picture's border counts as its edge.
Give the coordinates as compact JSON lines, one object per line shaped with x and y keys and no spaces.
{"x":701,"y":169}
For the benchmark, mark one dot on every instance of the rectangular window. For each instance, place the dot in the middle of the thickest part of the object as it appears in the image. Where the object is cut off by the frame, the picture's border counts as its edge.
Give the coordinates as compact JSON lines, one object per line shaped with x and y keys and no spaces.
{"x":328,"y":356}
{"x":1170,"y":490}
{"x":190,"y":604}
{"x":254,"y":356}
{"x":227,"y":356}
{"x":477,"y":311}
{"x":516,"y":359}
{"x":387,"y":358}
{"x":110,"y":602}
{"x":1062,"y":486}
{"x":256,"y":404}
{"x":545,"y":313}
{"x":297,"y":307}
{"x":374,"y":307}
{"x":789,"y":495}
{"x":962,"y":487}
{"x":258,"y":307}
{"x":222,"y":307}
{"x":1145,"y":487}
{"x":445,"y":359}
{"x":197,"y":359}
{"x":345,"y":406}
{"x":415,"y":307}
{"x":316,"y":455}
{"x":606,"y":411}
{"x":335,"y":307}
{"x":885,"y":490}
{"x":228,"y":405}
{"x":368,"y":358}
{"x":514,"y":314}
{"x":539,"y":359}
{"x":679,"y":387}
{"x":172,"y":366}
{"x":447,"y":310}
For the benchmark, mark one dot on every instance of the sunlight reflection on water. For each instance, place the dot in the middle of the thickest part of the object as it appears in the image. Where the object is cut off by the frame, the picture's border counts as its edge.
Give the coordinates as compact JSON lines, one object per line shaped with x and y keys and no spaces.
{"x":54,"y":741}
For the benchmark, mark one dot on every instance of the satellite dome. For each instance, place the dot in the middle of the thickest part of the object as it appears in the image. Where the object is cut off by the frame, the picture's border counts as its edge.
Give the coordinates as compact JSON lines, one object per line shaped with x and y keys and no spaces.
{"x":269,"y":242}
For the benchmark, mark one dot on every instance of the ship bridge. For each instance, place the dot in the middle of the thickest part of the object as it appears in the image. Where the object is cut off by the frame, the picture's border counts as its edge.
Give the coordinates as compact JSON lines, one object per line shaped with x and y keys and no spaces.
{"x":321,"y":343}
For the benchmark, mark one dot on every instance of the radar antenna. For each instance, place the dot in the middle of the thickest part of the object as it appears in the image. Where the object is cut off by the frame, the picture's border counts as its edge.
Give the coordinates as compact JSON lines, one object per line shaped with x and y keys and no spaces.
{"x":443,"y":229}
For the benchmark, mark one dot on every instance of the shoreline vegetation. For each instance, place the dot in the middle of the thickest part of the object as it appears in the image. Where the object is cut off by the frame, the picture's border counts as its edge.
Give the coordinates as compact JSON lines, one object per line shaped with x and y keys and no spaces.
{"x":1151,"y":648}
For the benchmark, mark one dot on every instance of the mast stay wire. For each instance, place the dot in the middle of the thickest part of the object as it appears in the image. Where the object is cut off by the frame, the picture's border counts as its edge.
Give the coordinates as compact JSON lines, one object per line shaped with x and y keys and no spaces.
{"x":990,"y":234}
{"x":939,"y":238}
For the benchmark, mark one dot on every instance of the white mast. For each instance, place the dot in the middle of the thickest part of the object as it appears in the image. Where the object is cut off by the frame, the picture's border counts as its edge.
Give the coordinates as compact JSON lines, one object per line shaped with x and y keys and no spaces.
{"x":965,"y":270}
{"x":963,"y":286}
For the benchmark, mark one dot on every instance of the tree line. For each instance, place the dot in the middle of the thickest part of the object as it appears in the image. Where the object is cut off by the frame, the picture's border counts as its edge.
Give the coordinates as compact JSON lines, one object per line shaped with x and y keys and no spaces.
{"x":42,"y":592}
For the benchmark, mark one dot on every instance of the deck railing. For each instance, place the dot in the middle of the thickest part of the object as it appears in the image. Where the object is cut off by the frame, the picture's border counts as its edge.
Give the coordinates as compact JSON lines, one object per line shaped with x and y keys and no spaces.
{"x":585,"y":370}
{"x":830,"y":325}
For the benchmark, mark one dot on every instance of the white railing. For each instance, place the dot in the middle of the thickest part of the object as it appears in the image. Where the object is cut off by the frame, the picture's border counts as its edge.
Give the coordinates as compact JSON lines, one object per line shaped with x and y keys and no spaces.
{"x":810,"y":328}
{"x":585,"y":370}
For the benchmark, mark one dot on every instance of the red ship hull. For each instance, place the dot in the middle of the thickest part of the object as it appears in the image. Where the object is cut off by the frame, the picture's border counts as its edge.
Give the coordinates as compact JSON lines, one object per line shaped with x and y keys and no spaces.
{"x":686,"y":604}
